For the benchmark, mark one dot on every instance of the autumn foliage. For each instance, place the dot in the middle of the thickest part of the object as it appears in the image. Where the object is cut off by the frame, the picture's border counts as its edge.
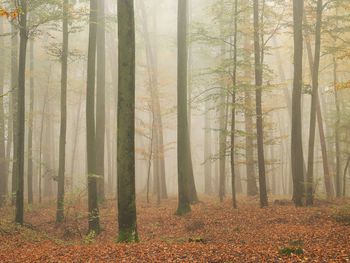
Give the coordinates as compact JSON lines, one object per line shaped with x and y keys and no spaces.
{"x":8,"y":14}
{"x":213,"y":232}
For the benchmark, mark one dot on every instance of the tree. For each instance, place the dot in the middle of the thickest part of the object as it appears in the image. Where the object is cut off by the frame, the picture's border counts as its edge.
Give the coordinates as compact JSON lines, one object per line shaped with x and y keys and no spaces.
{"x":63,"y":129}
{"x":100,"y":100}
{"x":208,"y":189}
{"x":94,"y":218}
{"x":14,"y":108}
{"x":30,"y":125}
{"x":296,"y":136}
{"x":3,"y":165}
{"x":314,"y":103}
{"x":126,"y":123}
{"x":184,"y":162}
{"x":259,"y":118}
{"x":21,"y":112}
{"x":233,"y":121}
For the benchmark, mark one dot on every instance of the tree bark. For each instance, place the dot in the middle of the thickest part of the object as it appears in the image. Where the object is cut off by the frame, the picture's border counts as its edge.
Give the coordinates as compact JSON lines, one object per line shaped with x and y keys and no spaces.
{"x":30,"y":126}
{"x":126,"y":123}
{"x":94,"y":219}
{"x":233,"y":121}
{"x":184,"y":162}
{"x":296,"y":136}
{"x":63,"y":128}
{"x":259,"y":113}
{"x":208,"y":189}
{"x":21,"y":113}
{"x":101,"y":100}
{"x":14,"y":109}
{"x":3,"y":164}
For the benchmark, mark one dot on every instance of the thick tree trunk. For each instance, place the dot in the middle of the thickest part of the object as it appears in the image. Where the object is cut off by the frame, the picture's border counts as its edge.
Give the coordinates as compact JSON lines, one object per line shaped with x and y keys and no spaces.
{"x":184,"y":162}
{"x":126,"y":123}
{"x":259,"y":113}
{"x":63,"y":128}
{"x":94,"y":218}
{"x":21,"y":113}
{"x":296,"y":137}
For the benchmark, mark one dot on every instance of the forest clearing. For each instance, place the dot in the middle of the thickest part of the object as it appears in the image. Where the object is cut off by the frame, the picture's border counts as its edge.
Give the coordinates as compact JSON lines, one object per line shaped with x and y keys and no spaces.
{"x":213,"y":232}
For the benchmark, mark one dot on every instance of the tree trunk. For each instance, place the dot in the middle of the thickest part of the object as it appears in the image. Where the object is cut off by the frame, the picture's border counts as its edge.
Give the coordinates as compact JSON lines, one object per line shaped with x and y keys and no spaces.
{"x":296,"y":137}
{"x":184,"y":162}
{"x":233,"y":121}
{"x":207,"y":150}
{"x":63,"y":129}
{"x":94,"y":219}
{"x":126,"y":123}
{"x":100,"y":100}
{"x":14,"y":109}
{"x":30,"y":126}
{"x":3,"y":164}
{"x":259,"y":113}
{"x":21,"y":113}
{"x":337,"y":131}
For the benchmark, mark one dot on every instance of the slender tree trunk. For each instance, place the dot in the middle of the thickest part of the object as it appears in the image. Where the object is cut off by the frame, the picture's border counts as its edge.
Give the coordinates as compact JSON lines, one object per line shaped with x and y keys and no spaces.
{"x":76,"y":139}
{"x":314,"y":101}
{"x":63,"y":129}
{"x":101,"y":99}
{"x":327,"y":177}
{"x":14,"y":108}
{"x":259,"y":113}
{"x":296,"y":138}
{"x":207,"y":150}
{"x":21,"y":113}
{"x":233,"y":121}
{"x":94,"y":218}
{"x":41,"y":135}
{"x":184,"y":163}
{"x":30,"y":126}
{"x":126,"y":123}
{"x":337,"y":131}
{"x":3,"y":164}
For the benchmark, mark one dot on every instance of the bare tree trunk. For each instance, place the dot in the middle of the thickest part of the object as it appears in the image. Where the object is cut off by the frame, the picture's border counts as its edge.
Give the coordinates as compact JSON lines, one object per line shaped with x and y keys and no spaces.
{"x":259,"y":113}
{"x":233,"y":113}
{"x":21,"y":113}
{"x":296,"y":140}
{"x":207,"y":150}
{"x":94,"y":218}
{"x":126,"y":123}
{"x":63,"y":128}
{"x":184,"y":164}
{"x":14,"y":108}
{"x":30,"y":126}
{"x":3,"y":164}
{"x":101,"y":100}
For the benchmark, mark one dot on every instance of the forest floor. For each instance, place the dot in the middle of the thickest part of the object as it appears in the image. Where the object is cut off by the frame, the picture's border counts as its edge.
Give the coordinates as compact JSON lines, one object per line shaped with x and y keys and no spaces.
{"x":212,"y":232}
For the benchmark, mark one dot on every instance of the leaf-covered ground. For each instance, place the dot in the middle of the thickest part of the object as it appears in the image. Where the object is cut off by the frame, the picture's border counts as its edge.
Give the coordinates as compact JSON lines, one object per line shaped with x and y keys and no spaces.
{"x":213,"y":232}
